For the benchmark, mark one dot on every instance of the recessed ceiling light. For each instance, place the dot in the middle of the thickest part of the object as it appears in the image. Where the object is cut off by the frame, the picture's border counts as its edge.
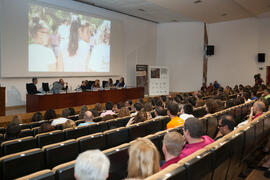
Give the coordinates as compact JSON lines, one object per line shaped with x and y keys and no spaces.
{"x":141,"y":10}
{"x":197,"y":1}
{"x":224,"y":14}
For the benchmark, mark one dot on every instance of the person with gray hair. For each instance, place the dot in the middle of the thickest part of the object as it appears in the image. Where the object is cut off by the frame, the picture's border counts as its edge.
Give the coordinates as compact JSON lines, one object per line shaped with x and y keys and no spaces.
{"x":256,"y":110}
{"x":88,"y":118}
{"x":91,"y":164}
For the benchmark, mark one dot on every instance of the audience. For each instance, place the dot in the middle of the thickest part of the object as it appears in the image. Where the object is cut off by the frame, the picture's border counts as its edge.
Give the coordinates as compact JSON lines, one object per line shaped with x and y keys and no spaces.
{"x":65,"y":113}
{"x":88,"y":118}
{"x":138,"y":107}
{"x":140,"y":117}
{"x":49,"y":114}
{"x":98,"y":107}
{"x":83,"y":109}
{"x":172,"y":111}
{"x":107,"y":117}
{"x":16,"y":120}
{"x":45,"y":127}
{"x":108,"y":107}
{"x":173,"y":144}
{"x":37,"y":116}
{"x":160,"y":111}
{"x":211,"y":106}
{"x":143,"y":159}
{"x":91,"y":164}
{"x":148,"y":109}
{"x":69,"y":124}
{"x":226,"y":125}
{"x":13,"y":131}
{"x":193,"y":132}
{"x":123,"y":112}
{"x":186,"y":112}
{"x":71,"y":111}
{"x":257,"y":110}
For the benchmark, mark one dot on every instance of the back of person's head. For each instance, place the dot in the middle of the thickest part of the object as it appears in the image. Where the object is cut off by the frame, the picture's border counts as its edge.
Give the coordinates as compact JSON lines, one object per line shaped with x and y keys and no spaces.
{"x":98,"y":107}
{"x":65,"y":113}
{"x":13,"y":131}
{"x":107,"y":117}
{"x":109,"y":105}
{"x":49,"y":114}
{"x":83,"y":109}
{"x":143,"y":159}
{"x":173,"y":108}
{"x":158,"y":102}
{"x":123,"y":112}
{"x":174,"y":143}
{"x":140,"y":100}
{"x":16,"y":120}
{"x":260,"y":106}
{"x":140,"y":117}
{"x":194,"y":126}
{"x":188,"y":109}
{"x":138,"y":106}
{"x":120,"y":105}
{"x":160,"y":111}
{"x":163,"y":98}
{"x":91,"y":164}
{"x":71,"y":111}
{"x":88,"y":116}
{"x":37,"y":116}
{"x":228,"y":121}
{"x":69,"y":124}
{"x":148,"y":107}
{"x":229,"y":103}
{"x":94,"y":112}
{"x":211,"y":106}
{"x":45,"y":127}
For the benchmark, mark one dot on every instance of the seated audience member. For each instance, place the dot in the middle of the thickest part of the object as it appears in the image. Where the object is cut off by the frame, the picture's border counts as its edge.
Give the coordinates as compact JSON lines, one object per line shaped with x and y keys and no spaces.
{"x":33,"y":89}
{"x":123,"y":112}
{"x":58,"y":121}
{"x":211,"y":106}
{"x":91,"y":164}
{"x":220,"y":105}
{"x":200,"y":102}
{"x":266,"y":93}
{"x":160,"y":112}
{"x":98,"y":107}
{"x":37,"y":116}
{"x":193,"y":133}
{"x":128,"y":103}
{"x":172,"y":111}
{"x":16,"y":120}
{"x":83,"y":109}
{"x":49,"y":114}
{"x":65,"y":113}
{"x":13,"y":131}
{"x":108,"y":107}
{"x":121,"y":83}
{"x":186,"y":112}
{"x":256,"y":110}
{"x":140,"y":100}
{"x":69,"y":124}
{"x":88,"y":118}
{"x":229,"y":103}
{"x":45,"y":127}
{"x":94,"y":112}
{"x":107,"y":117}
{"x":143,"y":159}
{"x":71,"y":111}
{"x":225,"y":125}
{"x":253,"y":95}
{"x":140,"y":117}
{"x":118,"y":107}
{"x":138,"y":107}
{"x":173,"y":144}
{"x":159,"y":103}
{"x":247,"y":96}
{"x":148,"y":109}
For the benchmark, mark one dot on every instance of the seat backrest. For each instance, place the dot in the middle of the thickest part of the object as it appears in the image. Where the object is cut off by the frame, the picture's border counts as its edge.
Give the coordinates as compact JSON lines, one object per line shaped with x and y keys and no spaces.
{"x":25,"y":126}
{"x":118,"y":162}
{"x":102,"y":126}
{"x":212,"y":125}
{"x":2,"y":130}
{"x":35,"y":124}
{"x":79,"y":122}
{"x":46,"y":174}
{"x":259,"y":131}
{"x":93,"y":128}
{"x":26,"y":132}
{"x":93,"y":141}
{"x":44,"y":139}
{"x":137,"y":130}
{"x":18,"y":145}
{"x":20,"y":164}
{"x":199,"y":112}
{"x":59,"y":153}
{"x":116,"y":137}
{"x":165,"y":121}
{"x":73,"y":133}
{"x":250,"y":135}
{"x":154,"y":126}
{"x":64,"y":171}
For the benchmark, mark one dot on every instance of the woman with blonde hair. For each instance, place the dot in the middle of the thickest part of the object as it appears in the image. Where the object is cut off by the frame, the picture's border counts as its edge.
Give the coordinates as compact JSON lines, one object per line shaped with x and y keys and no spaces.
{"x":69,"y":124}
{"x":143,"y":159}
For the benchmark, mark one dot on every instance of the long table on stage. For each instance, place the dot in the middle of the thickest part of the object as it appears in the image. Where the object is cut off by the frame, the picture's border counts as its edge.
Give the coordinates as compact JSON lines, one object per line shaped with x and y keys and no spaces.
{"x":63,"y":100}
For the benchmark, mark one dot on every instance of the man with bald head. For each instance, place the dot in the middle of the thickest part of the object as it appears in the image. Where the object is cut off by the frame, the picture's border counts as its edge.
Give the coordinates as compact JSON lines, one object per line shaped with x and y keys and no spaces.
{"x":88,"y":117}
{"x":257,"y":110}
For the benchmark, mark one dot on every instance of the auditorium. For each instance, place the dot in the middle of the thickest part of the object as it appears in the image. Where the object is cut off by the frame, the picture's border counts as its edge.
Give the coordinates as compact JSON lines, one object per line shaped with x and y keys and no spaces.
{"x":134,"y":89}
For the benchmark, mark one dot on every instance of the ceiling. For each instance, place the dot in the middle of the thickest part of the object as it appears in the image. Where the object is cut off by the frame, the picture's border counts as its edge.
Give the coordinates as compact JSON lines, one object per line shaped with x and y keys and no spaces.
{"x":209,"y":11}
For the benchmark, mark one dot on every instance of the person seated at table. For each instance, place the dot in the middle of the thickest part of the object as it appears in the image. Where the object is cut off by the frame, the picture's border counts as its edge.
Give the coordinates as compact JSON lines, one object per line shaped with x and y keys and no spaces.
{"x":121,"y":83}
{"x":108,"y":107}
{"x":96,"y":85}
{"x":88,"y":118}
{"x":59,"y":85}
{"x":83,"y":86}
{"x":33,"y":87}
{"x":110,"y":83}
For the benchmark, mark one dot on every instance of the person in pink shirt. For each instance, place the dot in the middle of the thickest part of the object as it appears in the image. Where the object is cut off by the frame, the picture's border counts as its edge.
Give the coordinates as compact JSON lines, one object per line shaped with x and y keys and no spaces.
{"x":193,"y":132}
{"x":109,"y":111}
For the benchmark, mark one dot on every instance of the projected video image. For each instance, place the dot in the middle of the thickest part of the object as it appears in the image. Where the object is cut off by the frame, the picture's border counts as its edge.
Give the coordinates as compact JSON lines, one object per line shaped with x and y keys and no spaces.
{"x":62,"y":41}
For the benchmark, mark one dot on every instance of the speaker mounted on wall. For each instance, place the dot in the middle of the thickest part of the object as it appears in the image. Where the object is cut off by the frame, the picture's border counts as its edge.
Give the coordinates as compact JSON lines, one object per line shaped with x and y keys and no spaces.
{"x":261,"y":57}
{"x":210,"y":50}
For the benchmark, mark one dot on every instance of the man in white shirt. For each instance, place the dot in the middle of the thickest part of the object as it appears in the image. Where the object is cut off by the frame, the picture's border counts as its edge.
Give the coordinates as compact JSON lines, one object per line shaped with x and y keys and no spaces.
{"x":186,"y":112}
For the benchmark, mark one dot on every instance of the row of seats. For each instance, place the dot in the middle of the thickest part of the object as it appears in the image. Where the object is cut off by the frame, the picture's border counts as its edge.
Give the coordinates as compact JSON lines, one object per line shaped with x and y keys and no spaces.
{"x":119,"y":155}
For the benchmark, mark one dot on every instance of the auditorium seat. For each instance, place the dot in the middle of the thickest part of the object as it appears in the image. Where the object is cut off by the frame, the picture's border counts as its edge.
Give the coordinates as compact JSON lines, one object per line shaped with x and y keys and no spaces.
{"x":93,"y":128}
{"x":2,"y":130}
{"x":59,"y":153}
{"x":74,"y":118}
{"x":20,"y":164}
{"x":136,"y":130}
{"x":24,"y":126}
{"x":93,"y":141}
{"x":154,"y":126}
{"x":212,"y":126}
{"x":98,"y":119}
{"x":172,"y":172}
{"x":102,"y":126}
{"x":79,"y":122}
{"x":64,"y":171}
{"x":259,"y":131}
{"x":118,"y":157}
{"x":266,"y":127}
{"x":35,"y":124}
{"x":18,"y":145}
{"x":44,"y":139}
{"x":165,"y":121}
{"x":73,"y":133}
{"x":46,"y":174}
{"x":250,"y":135}
{"x":26,"y":132}
{"x":199,"y":112}
{"x":116,"y":137}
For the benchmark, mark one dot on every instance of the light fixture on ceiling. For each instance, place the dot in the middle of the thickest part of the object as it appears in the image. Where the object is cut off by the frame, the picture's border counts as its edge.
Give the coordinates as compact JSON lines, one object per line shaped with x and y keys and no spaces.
{"x":197,"y":1}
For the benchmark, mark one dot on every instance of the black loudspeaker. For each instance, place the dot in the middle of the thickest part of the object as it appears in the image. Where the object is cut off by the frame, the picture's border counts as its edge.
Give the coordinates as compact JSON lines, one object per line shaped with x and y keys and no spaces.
{"x":210,"y":50}
{"x":261,"y":57}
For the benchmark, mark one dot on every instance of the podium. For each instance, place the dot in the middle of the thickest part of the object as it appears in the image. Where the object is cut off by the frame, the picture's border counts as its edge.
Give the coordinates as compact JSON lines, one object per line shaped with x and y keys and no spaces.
{"x":2,"y":101}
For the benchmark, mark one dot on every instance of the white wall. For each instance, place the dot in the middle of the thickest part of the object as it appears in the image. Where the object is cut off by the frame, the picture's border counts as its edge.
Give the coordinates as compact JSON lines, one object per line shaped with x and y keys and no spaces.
{"x":139,"y":47}
{"x":237,"y":43}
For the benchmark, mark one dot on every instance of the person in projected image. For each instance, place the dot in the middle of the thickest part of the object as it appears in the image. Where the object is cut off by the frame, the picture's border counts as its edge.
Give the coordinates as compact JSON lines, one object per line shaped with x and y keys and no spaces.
{"x":74,"y":55}
{"x":41,"y":57}
{"x":100,"y":56}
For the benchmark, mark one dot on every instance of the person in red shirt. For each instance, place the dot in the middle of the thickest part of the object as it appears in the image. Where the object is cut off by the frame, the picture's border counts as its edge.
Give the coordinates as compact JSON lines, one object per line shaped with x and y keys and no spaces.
{"x":256,"y":110}
{"x":193,"y":132}
{"x":173,"y":144}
